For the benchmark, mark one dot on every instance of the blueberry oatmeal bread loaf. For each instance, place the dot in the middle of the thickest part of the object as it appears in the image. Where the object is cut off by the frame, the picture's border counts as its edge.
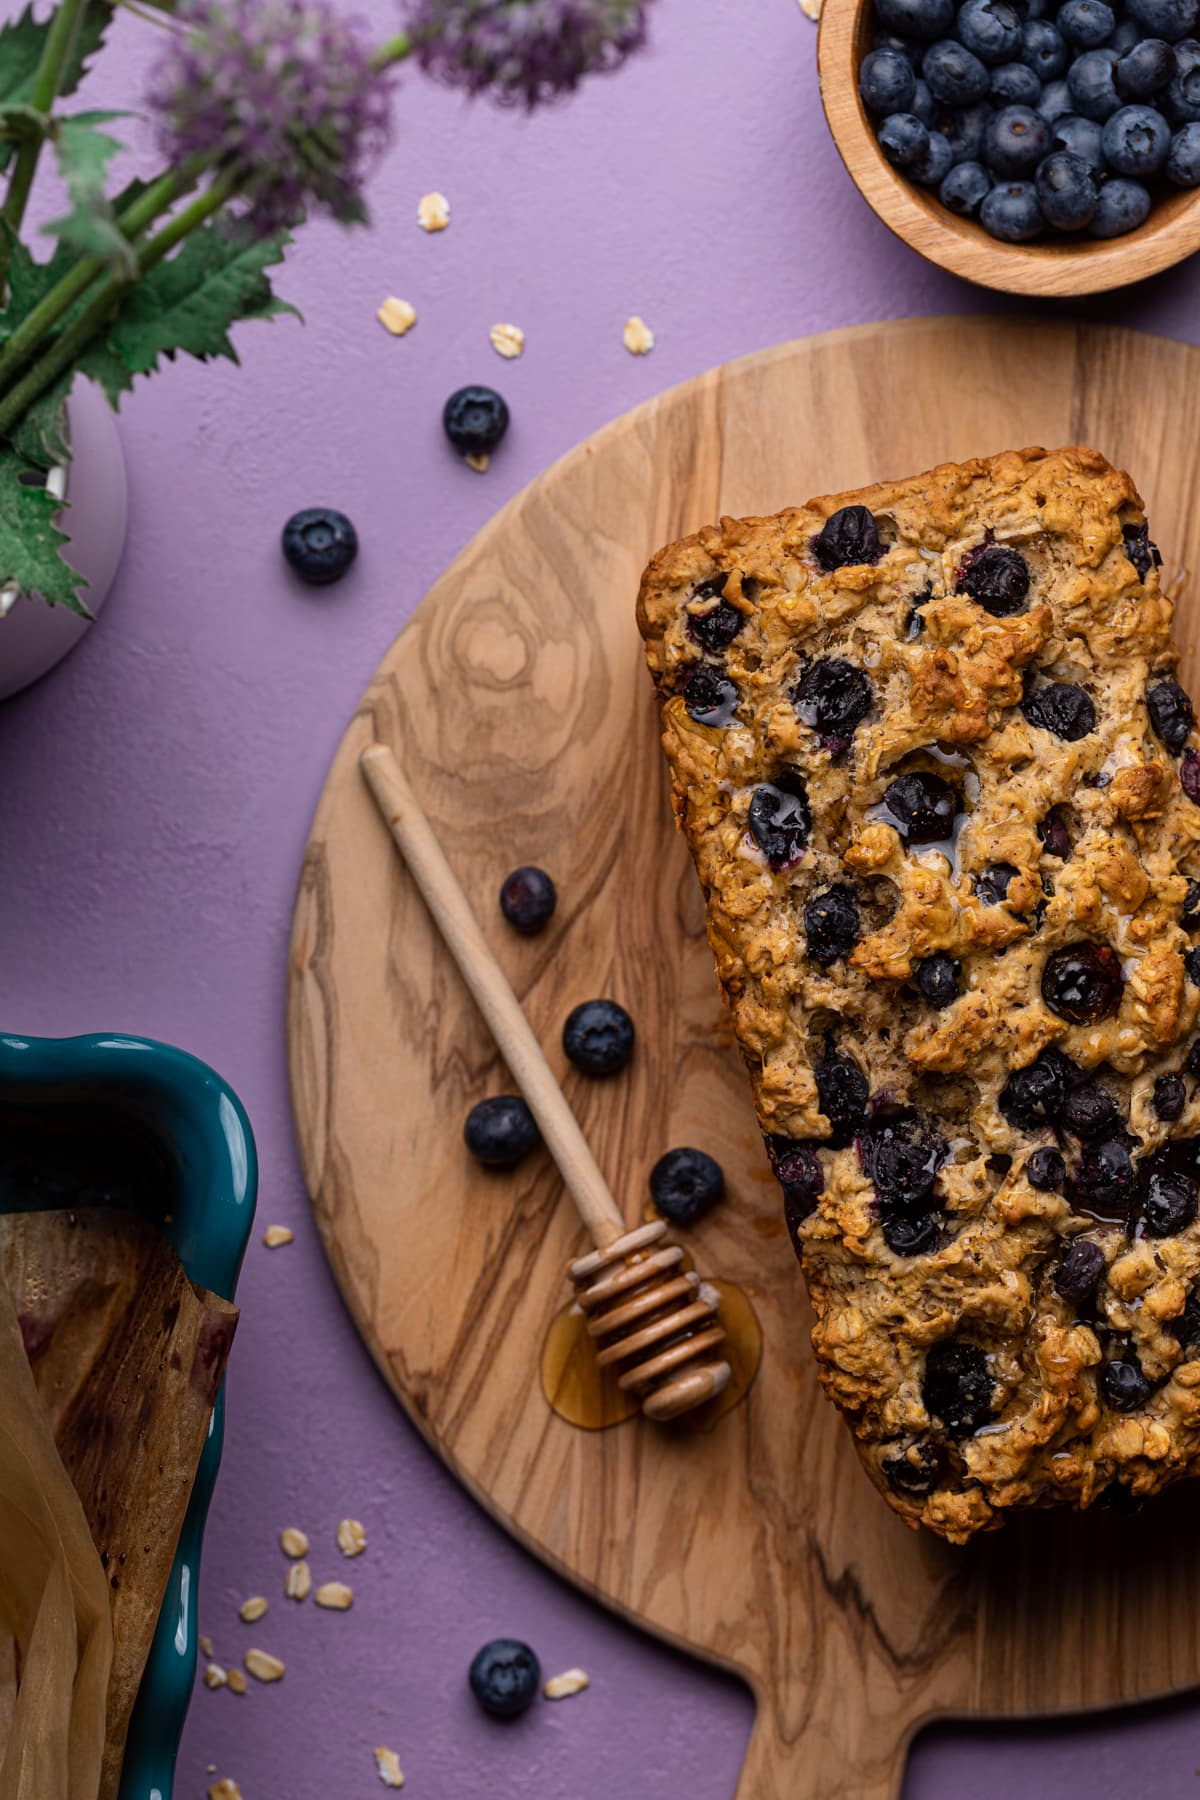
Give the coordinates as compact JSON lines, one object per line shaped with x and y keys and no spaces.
{"x":943,"y":795}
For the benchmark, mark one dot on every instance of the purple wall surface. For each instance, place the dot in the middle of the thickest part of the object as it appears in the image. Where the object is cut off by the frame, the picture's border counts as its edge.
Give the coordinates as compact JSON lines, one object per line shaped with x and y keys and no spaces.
{"x":158,"y":789}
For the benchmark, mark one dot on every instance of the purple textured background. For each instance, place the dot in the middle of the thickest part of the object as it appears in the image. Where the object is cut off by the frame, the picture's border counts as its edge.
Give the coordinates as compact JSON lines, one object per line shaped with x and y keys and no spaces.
{"x":159,"y":787}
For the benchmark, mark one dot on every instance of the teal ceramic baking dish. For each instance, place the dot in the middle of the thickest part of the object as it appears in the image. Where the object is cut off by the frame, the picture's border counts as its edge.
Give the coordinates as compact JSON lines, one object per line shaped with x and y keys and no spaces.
{"x":124,"y":1121}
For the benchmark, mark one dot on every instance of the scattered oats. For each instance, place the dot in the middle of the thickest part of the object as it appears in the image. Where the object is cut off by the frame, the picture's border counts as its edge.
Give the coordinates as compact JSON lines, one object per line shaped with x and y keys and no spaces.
{"x":236,"y":1681}
{"x":388,"y":1764}
{"x":263,"y":1666}
{"x":335,"y":1595}
{"x":433,"y":212}
{"x":293,"y":1542}
{"x":639,"y":339}
{"x":205,"y":1644}
{"x":225,"y":1790}
{"x":215,"y":1676}
{"x":275,"y":1235}
{"x":252,"y":1609}
{"x":352,"y":1539}
{"x":811,"y":9}
{"x":479,"y":461}
{"x":560,"y":1687}
{"x":397,"y":316}
{"x":507,"y":340}
{"x":298,"y":1585}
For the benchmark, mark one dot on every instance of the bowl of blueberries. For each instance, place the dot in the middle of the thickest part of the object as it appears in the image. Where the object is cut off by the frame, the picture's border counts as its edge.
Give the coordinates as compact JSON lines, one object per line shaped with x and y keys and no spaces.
{"x":1035,"y":146}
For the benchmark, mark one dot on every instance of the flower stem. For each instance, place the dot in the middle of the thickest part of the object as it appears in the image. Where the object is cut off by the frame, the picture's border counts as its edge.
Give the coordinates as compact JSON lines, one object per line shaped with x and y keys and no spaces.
{"x":60,"y":40}
{"x":66,"y":349}
{"x":393,"y":51}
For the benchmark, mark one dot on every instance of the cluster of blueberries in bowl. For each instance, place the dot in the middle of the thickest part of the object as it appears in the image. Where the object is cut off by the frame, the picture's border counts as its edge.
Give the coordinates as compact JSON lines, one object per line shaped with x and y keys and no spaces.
{"x":1033,"y":116}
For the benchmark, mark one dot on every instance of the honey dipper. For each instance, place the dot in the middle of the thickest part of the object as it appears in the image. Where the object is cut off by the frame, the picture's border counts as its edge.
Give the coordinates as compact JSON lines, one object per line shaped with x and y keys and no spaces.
{"x":652,"y":1320}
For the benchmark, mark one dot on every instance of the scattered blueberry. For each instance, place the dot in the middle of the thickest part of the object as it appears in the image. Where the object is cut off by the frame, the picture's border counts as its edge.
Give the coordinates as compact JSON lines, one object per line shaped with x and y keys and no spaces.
{"x":1145,"y":70}
{"x":1083,"y":138}
{"x":924,"y":19}
{"x":965,"y":188}
{"x":1090,"y":1112}
{"x":931,"y":169}
{"x":1054,"y":834}
{"x":1136,"y":141}
{"x":1092,"y":85}
{"x":1186,"y":1327}
{"x":886,"y":82}
{"x":937,"y":978}
{"x":1170,"y":19}
{"x":505,"y":1677}
{"x":906,"y":1236}
{"x":1125,"y":1387}
{"x":717,"y":622}
{"x":904,"y":141}
{"x":1104,"y":1181}
{"x":1011,"y":212}
{"x":1014,"y":84}
{"x":1062,"y":708}
{"x":997,"y":577}
{"x":685,"y":1184}
{"x":1083,"y":982}
{"x":501,"y":1131}
{"x":1034,"y":1096}
{"x":1141,"y":552}
{"x":913,"y":1470}
{"x":902,"y":1154}
{"x":598,"y":1037}
{"x":992,"y":883}
{"x":832,"y":924}
{"x":320,"y":544}
{"x":799,"y":1173}
{"x":780,"y":820}
{"x":923,"y":807}
{"x":1168,"y":1200}
{"x":1046,"y":1170}
{"x":1079,"y":1271}
{"x":833,"y":697}
{"x":957,"y":1388}
{"x":991,"y":29}
{"x":1170,"y":714}
{"x":1191,"y":962}
{"x":710,"y":697}
{"x":1170,"y":1098}
{"x":849,"y":536}
{"x":1121,"y":206}
{"x":475,"y":419}
{"x":1086,"y":23}
{"x":842,"y":1093}
{"x":1189,"y":916}
{"x":1056,"y":102}
{"x":1183,"y":163}
{"x":528,"y":898}
{"x":953,"y":75}
{"x":1189,"y":775}
{"x":1066,"y":191}
{"x":1043,"y":49}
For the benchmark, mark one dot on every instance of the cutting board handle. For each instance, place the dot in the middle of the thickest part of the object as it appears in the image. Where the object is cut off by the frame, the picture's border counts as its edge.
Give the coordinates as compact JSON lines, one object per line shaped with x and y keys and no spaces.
{"x":846,"y":1754}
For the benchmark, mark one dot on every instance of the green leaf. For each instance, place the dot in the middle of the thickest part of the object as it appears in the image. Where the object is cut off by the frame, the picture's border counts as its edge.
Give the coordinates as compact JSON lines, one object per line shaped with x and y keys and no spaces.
{"x":18,"y":122}
{"x":83,"y":153}
{"x":189,"y":301}
{"x":21,"y":43}
{"x":41,"y":436}
{"x":30,"y":542}
{"x":28,"y":280}
{"x":105,"y":367}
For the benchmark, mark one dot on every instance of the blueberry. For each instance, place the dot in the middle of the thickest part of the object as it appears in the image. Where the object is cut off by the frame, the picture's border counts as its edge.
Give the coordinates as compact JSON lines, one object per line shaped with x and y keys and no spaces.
{"x":1168,"y":1200}
{"x":710,"y":697}
{"x":1122,"y":206}
{"x":1014,"y":84}
{"x":505,"y":1677}
{"x":1191,"y":959}
{"x":842,"y":1093}
{"x":1054,"y":835}
{"x":799,"y":1173}
{"x":1092,"y":85}
{"x":501,"y":1131}
{"x":1183,"y":163}
{"x":923,"y":807}
{"x":1192,"y":1061}
{"x":1189,"y":916}
{"x":528,"y":898}
{"x":833,"y":697}
{"x":989,"y":28}
{"x":886,"y":82}
{"x":475,"y":419}
{"x":780,"y":820}
{"x":1137,"y":139}
{"x":963,"y":129}
{"x":1079,"y":1271}
{"x":995,"y":576}
{"x":598,"y":1037}
{"x":937,"y":978}
{"x":903,"y":140}
{"x":954,"y":76}
{"x":1056,"y":101}
{"x":1066,"y":191}
{"x":1090,"y":1112}
{"x":1170,"y":1098}
{"x":1011,"y":212}
{"x":905,"y":1236}
{"x":932,"y":169}
{"x":1127,"y":34}
{"x":965,"y":188}
{"x":832,"y":924}
{"x":1035,"y":1095}
{"x":1141,"y":552}
{"x":320,"y":544}
{"x":902,"y":1154}
{"x":1044,"y":49}
{"x":925,"y":19}
{"x":1104,"y":1181}
{"x":1086,"y":23}
{"x":1125,"y":1387}
{"x":1083,"y":983}
{"x":1189,"y":775}
{"x":1181,"y":102}
{"x":891,"y":40}
{"x":1171,"y":714}
{"x":1015,"y":142}
{"x":957,"y":1388}
{"x":1083,"y":138}
{"x":992,"y":883}
{"x":1062,"y":708}
{"x":1046,"y":1170}
{"x":922,"y":105}
{"x":913,"y":1470}
{"x":1145,"y":70}
{"x":850,"y":536}
{"x":715,"y":622}
{"x":685,"y":1184}
{"x":1186,"y":1326}
{"x":1169,"y":19}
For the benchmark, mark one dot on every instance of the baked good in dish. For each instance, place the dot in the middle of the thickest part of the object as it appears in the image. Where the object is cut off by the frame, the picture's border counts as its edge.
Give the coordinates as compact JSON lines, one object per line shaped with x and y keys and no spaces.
{"x":942,"y":790}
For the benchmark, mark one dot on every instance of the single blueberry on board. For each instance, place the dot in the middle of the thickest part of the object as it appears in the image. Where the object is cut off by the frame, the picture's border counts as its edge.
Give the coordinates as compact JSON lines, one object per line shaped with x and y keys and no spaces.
{"x":957,"y":1388}
{"x":528,"y":898}
{"x":501,"y":1132}
{"x":1083,"y":982}
{"x":1086,"y":24}
{"x":505,"y":1676}
{"x":832,"y":924}
{"x":598,"y":1037}
{"x":1171,"y":714}
{"x":1044,"y":49}
{"x":965,"y":188}
{"x":475,"y":419}
{"x":1014,"y":84}
{"x":685,"y":1184}
{"x":954,"y":75}
{"x":1066,"y":191}
{"x":1062,"y":708}
{"x":938,"y":978}
{"x":1137,"y":140}
{"x":886,"y":82}
{"x":1145,"y":70}
{"x":1046,"y":1169}
{"x":1015,"y":142}
{"x":850,"y":535}
{"x":780,"y":820}
{"x":1092,"y":85}
{"x":1011,"y":212}
{"x":1183,"y":162}
{"x":991,"y":29}
{"x":320,"y":544}
{"x":1122,"y":205}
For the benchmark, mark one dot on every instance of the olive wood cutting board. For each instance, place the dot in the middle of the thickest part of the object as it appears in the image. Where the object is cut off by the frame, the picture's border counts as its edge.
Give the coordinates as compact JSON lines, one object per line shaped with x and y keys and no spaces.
{"x":517,"y":702}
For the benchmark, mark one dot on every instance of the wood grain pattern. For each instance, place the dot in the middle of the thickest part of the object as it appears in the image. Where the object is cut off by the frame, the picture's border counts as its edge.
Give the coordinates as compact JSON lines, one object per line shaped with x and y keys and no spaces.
{"x":518,"y":703}
{"x":1055,"y":266}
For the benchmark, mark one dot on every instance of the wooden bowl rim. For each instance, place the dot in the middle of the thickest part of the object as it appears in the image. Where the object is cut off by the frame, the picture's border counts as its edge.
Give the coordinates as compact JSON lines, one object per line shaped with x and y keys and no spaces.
{"x":1085,"y":266}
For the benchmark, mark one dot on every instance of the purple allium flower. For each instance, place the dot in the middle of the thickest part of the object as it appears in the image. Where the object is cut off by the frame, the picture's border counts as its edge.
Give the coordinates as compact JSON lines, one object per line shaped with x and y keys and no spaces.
{"x":283,"y":88}
{"x":524,"y":52}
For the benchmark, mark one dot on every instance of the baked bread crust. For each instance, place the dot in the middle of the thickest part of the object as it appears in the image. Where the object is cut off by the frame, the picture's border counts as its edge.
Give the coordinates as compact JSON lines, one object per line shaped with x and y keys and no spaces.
{"x":955,"y":1325}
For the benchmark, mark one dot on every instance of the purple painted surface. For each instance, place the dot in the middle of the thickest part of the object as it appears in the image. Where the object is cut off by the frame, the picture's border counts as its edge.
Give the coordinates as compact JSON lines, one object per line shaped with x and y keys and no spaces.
{"x":160,"y":786}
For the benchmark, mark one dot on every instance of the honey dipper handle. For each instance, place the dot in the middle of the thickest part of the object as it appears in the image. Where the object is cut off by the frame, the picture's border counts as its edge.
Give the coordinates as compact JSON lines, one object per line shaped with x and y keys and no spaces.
{"x":451,"y":911}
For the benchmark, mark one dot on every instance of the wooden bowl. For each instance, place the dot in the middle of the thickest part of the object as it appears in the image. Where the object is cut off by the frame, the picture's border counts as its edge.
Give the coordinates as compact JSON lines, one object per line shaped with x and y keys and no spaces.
{"x":1056,"y":266}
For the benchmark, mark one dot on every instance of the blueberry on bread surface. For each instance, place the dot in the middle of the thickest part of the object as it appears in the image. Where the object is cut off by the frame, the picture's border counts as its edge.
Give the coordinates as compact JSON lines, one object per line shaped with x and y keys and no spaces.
{"x":956,"y":867}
